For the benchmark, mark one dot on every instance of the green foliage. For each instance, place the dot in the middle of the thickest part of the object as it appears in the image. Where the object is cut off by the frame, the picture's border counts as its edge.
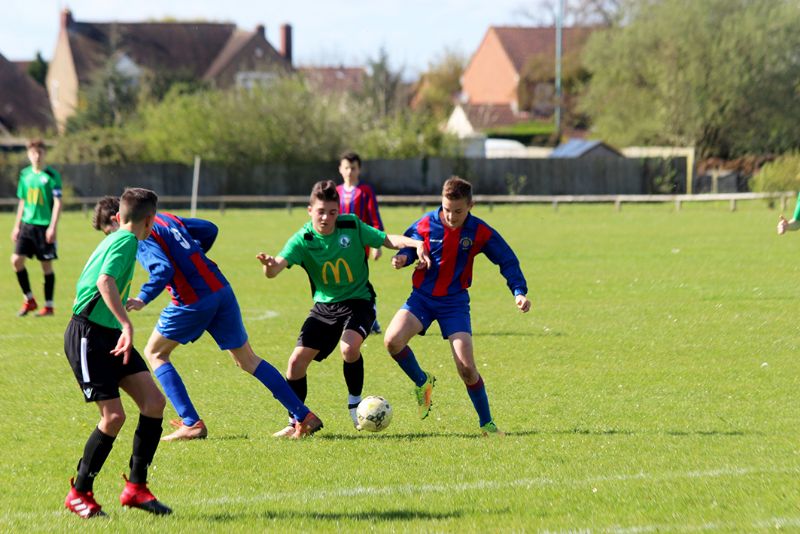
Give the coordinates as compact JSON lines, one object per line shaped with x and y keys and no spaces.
{"x":38,"y":69}
{"x":440,"y":84}
{"x":650,"y":389}
{"x":404,"y":135}
{"x":383,"y":86}
{"x":109,"y":100}
{"x":107,"y":145}
{"x":722,"y":75}
{"x":783,"y":174}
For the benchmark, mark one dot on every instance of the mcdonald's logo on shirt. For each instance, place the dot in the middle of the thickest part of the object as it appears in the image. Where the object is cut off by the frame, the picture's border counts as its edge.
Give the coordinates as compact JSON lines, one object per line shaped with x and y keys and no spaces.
{"x":334,"y":266}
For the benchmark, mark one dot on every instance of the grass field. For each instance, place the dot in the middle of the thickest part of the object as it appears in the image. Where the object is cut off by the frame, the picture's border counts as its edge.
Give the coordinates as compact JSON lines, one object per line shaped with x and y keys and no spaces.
{"x":654,"y":387}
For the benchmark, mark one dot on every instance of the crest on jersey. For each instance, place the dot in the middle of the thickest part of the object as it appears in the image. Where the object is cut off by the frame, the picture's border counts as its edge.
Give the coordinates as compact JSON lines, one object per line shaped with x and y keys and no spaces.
{"x":466,"y":243}
{"x":44,"y":179}
{"x":344,"y":241}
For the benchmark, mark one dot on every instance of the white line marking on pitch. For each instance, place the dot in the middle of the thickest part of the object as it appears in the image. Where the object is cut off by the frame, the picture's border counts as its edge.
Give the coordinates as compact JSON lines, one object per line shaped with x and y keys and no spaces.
{"x":262,"y":315}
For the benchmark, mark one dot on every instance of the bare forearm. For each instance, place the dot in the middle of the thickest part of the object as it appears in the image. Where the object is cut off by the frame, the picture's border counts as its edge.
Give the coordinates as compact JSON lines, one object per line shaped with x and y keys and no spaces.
{"x":396,"y":242}
{"x":56,"y":215}
{"x":107,"y":287}
{"x":793,"y":225}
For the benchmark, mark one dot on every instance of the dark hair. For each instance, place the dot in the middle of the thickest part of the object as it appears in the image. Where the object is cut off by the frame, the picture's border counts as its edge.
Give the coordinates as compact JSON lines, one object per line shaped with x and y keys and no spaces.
{"x":350,"y":156}
{"x":104,"y":210}
{"x":324,"y":190}
{"x":35,"y":143}
{"x":456,"y":188}
{"x":136,"y":203}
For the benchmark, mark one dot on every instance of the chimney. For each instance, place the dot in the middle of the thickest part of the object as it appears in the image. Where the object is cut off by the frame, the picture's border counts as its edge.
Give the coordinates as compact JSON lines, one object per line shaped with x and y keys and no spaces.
{"x":286,"y":42}
{"x":66,"y":18}
{"x":261,"y":30}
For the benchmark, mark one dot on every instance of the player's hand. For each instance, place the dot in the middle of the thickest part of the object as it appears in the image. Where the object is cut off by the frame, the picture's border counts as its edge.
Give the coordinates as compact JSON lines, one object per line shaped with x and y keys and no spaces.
{"x":376,"y":253}
{"x":124,"y":343}
{"x":423,"y":256}
{"x":783,"y":224}
{"x":135,"y":304}
{"x":399,"y":261}
{"x":523,"y":303}
{"x":50,"y":235}
{"x":265,"y":259}
{"x":15,"y":233}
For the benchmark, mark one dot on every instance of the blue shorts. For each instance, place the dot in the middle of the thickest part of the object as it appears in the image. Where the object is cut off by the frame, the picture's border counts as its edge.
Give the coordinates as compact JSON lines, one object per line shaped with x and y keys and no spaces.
{"x":451,"y":312}
{"x":218,"y":314}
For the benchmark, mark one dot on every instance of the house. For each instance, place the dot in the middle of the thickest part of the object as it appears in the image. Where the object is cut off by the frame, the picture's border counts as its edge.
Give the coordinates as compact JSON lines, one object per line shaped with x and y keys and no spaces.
{"x":216,"y":53}
{"x":330,"y":80}
{"x":468,"y":120}
{"x":23,"y":102}
{"x":585,"y":149}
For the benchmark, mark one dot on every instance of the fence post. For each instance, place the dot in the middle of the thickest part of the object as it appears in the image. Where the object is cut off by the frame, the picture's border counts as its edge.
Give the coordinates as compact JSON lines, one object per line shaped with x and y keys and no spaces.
{"x":733,"y":204}
{"x":783,"y":202}
{"x":555,"y":205}
{"x":618,"y":204}
{"x":677,"y":204}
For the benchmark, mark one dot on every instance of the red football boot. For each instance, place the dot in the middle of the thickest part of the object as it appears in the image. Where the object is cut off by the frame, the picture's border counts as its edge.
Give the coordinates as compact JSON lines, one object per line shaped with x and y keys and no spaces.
{"x":28,"y":306}
{"x":138,"y":496}
{"x":82,"y":503}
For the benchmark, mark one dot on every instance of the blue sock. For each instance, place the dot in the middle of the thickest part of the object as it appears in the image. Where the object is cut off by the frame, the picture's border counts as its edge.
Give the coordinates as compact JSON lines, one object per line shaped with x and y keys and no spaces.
{"x":173,"y":387}
{"x":274,"y":381}
{"x":477,"y":394}
{"x":408,"y":363}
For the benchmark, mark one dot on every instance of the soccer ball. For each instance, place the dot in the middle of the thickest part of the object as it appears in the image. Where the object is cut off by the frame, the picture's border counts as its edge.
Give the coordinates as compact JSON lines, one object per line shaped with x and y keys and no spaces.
{"x":374,"y":414}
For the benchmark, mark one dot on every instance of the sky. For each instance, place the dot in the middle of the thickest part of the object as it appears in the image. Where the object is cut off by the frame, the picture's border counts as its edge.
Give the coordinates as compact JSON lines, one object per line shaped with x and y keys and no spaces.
{"x":333,"y":32}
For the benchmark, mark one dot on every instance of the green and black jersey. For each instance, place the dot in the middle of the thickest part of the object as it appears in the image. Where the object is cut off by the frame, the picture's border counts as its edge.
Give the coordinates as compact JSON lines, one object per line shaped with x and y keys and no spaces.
{"x":37,"y":190}
{"x":337,"y":263}
{"x":115,"y":256}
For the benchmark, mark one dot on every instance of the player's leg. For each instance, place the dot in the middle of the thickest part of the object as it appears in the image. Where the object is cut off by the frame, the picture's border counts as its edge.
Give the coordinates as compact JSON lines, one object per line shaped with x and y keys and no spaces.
{"x":296,"y":378}
{"x":272,"y":379}
{"x":157,"y":352}
{"x":464,"y":358}
{"x":143,"y":390}
{"x":403,"y":327}
{"x":49,"y":287}
{"x":356,"y":320}
{"x":18,"y":264}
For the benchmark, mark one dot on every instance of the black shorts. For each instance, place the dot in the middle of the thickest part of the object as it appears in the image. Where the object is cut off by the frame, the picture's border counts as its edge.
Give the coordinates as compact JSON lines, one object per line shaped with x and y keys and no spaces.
{"x":87,"y":346}
{"x":323,"y":328}
{"x":32,"y":241}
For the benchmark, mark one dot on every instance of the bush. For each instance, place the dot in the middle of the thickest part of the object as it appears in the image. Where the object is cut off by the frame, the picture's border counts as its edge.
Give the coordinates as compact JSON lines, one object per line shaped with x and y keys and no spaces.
{"x":783,"y":174}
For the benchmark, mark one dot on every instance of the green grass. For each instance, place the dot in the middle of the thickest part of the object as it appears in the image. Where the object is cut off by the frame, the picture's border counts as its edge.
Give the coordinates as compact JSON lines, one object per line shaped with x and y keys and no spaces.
{"x":654,"y":387}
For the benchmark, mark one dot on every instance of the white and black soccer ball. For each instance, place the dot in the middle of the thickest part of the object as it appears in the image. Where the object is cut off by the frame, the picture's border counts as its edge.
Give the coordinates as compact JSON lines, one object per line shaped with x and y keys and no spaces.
{"x":374,"y":414}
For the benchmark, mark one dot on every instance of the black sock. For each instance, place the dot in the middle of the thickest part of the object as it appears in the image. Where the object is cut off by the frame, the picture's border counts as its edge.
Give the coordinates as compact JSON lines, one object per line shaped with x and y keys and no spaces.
{"x":97,"y":449}
{"x":24,"y":283}
{"x":145,"y":443}
{"x":300,"y":388}
{"x":49,"y":286}
{"x":354,"y":376}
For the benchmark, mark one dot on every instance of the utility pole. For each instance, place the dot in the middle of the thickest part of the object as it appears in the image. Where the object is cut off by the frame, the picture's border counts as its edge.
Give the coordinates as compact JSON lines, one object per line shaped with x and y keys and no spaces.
{"x":559,"y":24}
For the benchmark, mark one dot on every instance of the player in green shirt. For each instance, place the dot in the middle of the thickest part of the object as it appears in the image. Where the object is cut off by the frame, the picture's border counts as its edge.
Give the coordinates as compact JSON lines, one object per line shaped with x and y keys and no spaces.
{"x":34,"y":232}
{"x":98,"y":344}
{"x":331,"y":249}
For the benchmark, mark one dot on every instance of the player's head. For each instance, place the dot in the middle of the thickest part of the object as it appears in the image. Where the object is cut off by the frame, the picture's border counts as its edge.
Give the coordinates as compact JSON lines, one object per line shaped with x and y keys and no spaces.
{"x":323,"y":206}
{"x":36,"y":151}
{"x":137,"y":211}
{"x":456,"y":201}
{"x":106,"y":215}
{"x":350,"y":166}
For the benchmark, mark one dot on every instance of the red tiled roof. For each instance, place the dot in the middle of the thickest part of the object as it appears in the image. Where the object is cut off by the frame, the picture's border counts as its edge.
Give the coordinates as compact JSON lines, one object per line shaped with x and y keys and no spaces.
{"x":335,"y":79}
{"x":520,"y":43}
{"x":23,"y":102}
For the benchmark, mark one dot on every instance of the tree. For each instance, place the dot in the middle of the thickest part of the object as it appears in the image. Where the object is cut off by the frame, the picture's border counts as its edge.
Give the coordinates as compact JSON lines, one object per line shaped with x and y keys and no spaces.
{"x":577,"y":12}
{"x":723,"y":75}
{"x":38,"y":69}
{"x":383,"y":87}
{"x":440,"y":84}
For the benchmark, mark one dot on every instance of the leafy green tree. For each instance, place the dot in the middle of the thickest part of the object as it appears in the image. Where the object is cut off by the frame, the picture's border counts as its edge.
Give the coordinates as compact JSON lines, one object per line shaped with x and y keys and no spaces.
{"x":38,"y":69}
{"x":722,"y":75}
{"x":440,"y":84}
{"x":383,"y":87}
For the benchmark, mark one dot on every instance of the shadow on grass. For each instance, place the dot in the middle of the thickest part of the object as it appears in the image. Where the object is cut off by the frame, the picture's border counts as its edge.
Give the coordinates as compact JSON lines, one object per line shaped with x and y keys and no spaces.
{"x":373,"y":516}
{"x":550,"y":333}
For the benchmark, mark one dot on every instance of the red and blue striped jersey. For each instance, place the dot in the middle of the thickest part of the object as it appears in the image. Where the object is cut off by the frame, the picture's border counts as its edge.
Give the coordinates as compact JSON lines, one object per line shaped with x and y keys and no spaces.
{"x":453,"y":252}
{"x":175,"y":257}
{"x":361,"y":201}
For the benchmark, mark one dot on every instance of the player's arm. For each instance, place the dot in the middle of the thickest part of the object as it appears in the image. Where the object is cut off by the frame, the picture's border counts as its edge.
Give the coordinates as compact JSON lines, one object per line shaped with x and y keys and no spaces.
{"x":499,"y":253}
{"x":50,"y":234}
{"x":792,"y":225}
{"x":202,"y":231}
{"x":400,"y":242}
{"x":107,"y":286}
{"x":160,"y":270}
{"x":18,"y":220}
{"x":273,"y":265}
